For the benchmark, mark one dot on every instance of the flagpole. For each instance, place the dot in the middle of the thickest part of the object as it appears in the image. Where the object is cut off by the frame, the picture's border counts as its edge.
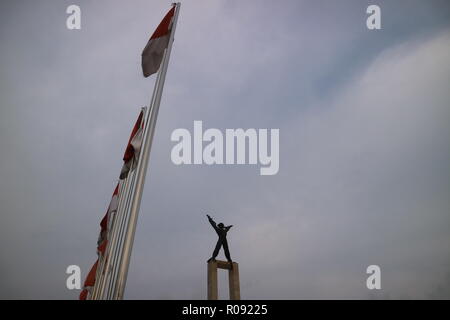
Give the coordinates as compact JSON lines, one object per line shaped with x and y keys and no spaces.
{"x":117,"y":252}
{"x":114,"y":237}
{"x":141,"y":170}
{"x":111,"y":237}
{"x":101,"y":265}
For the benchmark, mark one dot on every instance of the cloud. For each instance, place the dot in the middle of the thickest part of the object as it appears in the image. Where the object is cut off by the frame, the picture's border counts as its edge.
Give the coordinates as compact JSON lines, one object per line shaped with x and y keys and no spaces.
{"x":371,"y":166}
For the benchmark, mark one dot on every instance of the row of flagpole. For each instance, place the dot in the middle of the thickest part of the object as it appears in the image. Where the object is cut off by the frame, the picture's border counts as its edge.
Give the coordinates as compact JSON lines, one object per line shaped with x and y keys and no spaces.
{"x":108,"y":276}
{"x":141,"y":170}
{"x":107,"y":269}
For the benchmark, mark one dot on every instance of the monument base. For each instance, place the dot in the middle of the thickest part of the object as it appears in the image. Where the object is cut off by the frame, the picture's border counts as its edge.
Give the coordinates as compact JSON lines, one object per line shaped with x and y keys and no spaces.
{"x":233,"y":279}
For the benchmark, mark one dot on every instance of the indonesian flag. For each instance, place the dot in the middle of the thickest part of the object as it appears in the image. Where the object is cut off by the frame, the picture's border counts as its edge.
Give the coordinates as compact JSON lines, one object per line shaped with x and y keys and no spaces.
{"x":154,"y":50}
{"x":108,"y":219}
{"x":133,"y":147}
{"x":84,"y":294}
{"x":102,"y":248}
{"x":89,"y":282}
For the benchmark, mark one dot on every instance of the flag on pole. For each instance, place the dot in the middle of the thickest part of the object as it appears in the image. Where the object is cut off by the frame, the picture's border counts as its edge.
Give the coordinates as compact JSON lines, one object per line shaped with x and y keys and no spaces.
{"x":108,"y":219}
{"x":83,"y":294}
{"x":89,"y":282}
{"x":133,"y":147}
{"x":154,"y":50}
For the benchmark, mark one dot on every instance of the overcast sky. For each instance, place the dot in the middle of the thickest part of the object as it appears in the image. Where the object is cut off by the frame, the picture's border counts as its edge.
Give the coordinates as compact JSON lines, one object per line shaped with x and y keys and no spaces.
{"x":364,"y":146}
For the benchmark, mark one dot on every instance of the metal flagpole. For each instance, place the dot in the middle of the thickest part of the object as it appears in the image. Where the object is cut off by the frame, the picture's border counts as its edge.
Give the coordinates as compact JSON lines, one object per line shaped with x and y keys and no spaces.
{"x":111,"y":236}
{"x":115,"y":235}
{"x":140,"y":180}
{"x":110,"y":257}
{"x":117,"y":255}
{"x":117,"y":251}
{"x":100,"y":273}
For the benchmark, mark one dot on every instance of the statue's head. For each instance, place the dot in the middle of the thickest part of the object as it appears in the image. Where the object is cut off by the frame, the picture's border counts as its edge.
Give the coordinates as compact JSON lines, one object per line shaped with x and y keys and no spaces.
{"x":221,"y":225}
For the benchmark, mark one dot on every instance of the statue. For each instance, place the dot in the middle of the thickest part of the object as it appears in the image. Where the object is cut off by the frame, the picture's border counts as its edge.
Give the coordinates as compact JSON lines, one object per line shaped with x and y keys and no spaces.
{"x":222,"y":241}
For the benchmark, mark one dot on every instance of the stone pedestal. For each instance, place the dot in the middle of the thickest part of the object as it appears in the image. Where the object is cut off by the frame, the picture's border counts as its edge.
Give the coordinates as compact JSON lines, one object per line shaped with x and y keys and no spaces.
{"x":233,"y":279}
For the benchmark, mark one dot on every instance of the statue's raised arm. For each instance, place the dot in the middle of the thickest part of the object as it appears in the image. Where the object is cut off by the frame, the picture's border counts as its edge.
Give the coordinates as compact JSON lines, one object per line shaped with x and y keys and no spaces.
{"x":212,"y":222}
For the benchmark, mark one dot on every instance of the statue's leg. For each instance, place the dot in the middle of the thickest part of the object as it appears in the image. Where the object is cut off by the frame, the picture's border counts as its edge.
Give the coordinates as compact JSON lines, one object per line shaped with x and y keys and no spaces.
{"x":216,"y":249}
{"x":226,"y":250}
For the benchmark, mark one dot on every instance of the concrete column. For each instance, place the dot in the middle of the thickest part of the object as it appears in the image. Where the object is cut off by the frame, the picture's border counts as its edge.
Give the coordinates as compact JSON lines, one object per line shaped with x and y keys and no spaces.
{"x":213,"y":291}
{"x":233,"y":279}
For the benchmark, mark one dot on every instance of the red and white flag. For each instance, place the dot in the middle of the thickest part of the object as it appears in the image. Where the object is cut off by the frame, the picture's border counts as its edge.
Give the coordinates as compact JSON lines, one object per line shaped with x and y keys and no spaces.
{"x":133,"y":147}
{"x":108,"y":219}
{"x":154,"y":50}
{"x":89,"y":282}
{"x":101,"y":249}
{"x":83,"y":294}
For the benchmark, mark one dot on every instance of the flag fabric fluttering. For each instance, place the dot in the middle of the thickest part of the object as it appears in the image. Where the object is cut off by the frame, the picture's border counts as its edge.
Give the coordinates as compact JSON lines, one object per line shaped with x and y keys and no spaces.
{"x":83,"y":294}
{"x":133,"y":148}
{"x":154,"y":50}
{"x":105,"y":228}
{"x":108,"y":219}
{"x":89,"y":282}
{"x":102,"y":248}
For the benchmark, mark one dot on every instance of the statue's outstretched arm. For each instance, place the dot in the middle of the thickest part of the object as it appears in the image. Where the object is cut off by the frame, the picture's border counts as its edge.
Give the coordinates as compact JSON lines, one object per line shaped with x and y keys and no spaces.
{"x":212,"y":222}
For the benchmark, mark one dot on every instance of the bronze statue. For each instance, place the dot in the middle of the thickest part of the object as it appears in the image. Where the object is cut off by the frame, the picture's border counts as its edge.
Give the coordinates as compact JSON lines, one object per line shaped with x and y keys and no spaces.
{"x":222,"y":241}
